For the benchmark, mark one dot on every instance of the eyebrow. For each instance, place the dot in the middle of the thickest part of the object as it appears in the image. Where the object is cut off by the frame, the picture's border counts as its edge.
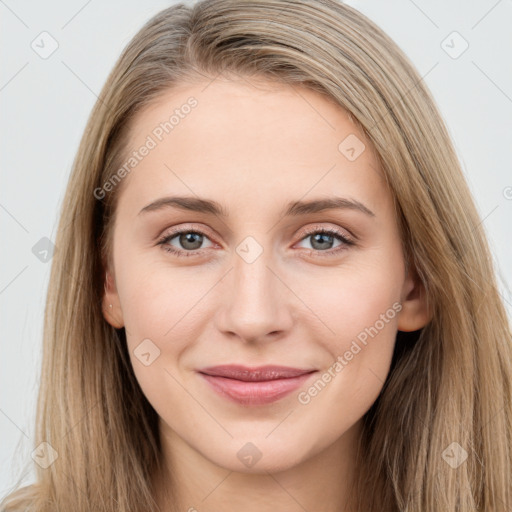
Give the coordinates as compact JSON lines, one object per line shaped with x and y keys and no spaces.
{"x":293,"y":209}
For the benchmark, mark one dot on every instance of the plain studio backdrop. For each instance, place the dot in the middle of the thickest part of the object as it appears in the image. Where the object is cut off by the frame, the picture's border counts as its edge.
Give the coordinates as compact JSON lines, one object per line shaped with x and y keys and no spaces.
{"x":55,"y":59}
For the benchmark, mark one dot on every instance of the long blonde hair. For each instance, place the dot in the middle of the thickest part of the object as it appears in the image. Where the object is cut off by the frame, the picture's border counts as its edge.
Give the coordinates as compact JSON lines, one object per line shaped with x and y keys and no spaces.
{"x":450,"y":382}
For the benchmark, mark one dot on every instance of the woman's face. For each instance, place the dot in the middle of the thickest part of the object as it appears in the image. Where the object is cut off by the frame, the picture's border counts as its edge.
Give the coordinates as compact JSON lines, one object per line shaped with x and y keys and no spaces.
{"x":257,"y":283}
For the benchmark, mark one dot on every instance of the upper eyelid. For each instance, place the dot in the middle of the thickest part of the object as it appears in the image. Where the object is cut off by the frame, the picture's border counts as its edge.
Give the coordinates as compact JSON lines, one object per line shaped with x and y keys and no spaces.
{"x":186,"y":229}
{"x":335,"y":230}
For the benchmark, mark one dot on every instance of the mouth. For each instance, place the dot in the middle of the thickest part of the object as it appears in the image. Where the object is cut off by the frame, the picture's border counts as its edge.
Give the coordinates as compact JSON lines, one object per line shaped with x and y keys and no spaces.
{"x":254,"y":386}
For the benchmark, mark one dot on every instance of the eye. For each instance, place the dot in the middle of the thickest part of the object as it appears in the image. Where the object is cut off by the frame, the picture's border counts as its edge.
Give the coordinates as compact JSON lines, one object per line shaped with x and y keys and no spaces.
{"x":189,"y":242}
{"x":322,"y":240}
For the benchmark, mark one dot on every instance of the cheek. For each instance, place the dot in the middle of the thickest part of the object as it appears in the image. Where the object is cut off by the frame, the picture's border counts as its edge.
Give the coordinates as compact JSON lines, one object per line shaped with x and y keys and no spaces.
{"x":354,"y":298}
{"x":360,"y":305}
{"x":152,"y":294}
{"x":145,"y":306}
{"x":155,"y":309}
{"x":164,"y":310}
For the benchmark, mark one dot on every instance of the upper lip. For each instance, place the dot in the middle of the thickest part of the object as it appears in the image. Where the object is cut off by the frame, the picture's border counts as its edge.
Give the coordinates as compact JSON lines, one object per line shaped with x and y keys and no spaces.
{"x":255,"y":374}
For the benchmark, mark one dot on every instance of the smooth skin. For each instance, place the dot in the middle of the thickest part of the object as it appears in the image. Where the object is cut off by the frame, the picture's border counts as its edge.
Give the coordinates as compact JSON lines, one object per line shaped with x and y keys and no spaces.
{"x":254,"y":147}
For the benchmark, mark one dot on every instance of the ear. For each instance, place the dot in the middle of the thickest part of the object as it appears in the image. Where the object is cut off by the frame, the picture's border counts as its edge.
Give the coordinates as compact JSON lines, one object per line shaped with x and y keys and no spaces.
{"x":415,"y":312}
{"x":111,"y":305}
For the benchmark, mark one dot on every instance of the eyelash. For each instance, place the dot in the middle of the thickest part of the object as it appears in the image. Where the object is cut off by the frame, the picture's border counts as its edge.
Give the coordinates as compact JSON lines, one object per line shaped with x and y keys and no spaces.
{"x":346,"y":242}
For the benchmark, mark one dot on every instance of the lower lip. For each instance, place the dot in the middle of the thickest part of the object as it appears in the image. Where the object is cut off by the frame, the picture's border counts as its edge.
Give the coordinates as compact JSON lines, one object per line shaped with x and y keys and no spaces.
{"x":255,"y":393}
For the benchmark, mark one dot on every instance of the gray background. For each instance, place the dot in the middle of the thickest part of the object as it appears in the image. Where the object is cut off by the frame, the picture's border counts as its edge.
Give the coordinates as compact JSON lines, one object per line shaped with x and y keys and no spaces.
{"x":45,"y":104}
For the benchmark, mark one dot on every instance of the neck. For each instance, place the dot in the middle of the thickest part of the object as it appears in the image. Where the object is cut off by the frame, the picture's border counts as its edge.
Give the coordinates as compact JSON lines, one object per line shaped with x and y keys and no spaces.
{"x":194,"y":483}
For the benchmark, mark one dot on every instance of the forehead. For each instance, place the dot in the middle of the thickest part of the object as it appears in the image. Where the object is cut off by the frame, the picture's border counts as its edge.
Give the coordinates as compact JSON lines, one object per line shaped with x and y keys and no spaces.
{"x":255,"y":139}
{"x":244,"y":108}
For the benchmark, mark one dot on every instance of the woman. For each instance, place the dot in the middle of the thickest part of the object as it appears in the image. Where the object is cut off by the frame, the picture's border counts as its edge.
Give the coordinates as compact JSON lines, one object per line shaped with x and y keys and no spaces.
{"x":249,"y":370}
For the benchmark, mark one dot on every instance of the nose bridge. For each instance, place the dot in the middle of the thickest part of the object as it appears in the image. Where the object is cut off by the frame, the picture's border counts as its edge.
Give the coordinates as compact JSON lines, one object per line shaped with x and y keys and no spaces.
{"x":255,"y":306}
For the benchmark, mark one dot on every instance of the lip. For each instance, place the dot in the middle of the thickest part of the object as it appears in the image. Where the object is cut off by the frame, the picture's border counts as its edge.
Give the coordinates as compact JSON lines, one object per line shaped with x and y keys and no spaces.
{"x":254,"y":386}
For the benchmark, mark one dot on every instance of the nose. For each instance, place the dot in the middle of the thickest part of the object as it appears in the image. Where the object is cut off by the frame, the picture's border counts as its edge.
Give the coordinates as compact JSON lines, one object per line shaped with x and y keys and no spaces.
{"x":258,"y":304}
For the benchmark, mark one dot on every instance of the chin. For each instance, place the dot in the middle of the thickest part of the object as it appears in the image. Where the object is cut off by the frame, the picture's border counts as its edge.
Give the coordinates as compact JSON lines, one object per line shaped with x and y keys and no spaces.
{"x":258,"y":457}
